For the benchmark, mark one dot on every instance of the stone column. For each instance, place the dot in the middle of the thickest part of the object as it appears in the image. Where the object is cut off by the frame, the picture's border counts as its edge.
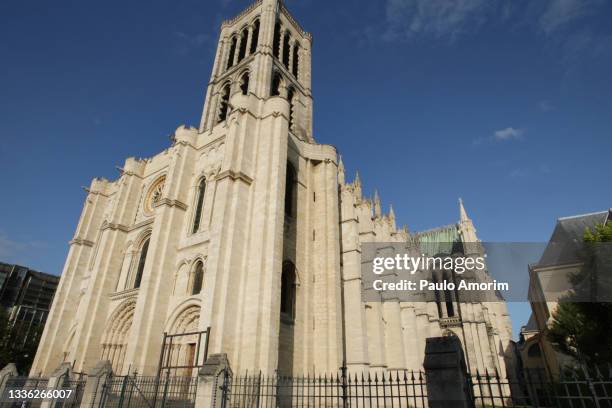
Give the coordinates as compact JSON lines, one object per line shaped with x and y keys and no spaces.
{"x":249,"y":41}
{"x":96,"y":384}
{"x":410,"y":334}
{"x":220,"y":61}
{"x":212,"y":381}
{"x":446,"y":373}
{"x":56,"y":381}
{"x":237,"y":50}
{"x":291,"y":57}
{"x":281,"y":43}
{"x":394,"y":341}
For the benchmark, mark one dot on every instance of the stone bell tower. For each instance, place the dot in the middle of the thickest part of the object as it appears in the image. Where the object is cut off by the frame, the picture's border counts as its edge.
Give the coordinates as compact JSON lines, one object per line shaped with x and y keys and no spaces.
{"x":274,"y":303}
{"x":262,"y":52}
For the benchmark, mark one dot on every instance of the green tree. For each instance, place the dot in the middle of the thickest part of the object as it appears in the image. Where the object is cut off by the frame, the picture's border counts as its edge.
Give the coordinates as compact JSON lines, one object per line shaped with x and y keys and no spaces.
{"x":582,"y":326}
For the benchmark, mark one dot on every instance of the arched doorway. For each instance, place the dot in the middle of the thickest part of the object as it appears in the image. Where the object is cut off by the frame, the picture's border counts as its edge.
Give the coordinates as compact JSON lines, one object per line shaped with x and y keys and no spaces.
{"x":116,"y":335}
{"x":184,"y":345}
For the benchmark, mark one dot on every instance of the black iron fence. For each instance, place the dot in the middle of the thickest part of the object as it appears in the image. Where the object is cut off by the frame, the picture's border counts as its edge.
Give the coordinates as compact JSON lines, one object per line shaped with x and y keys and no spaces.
{"x":148,"y":392}
{"x":391,"y":389}
{"x":577,"y":388}
{"x":76,"y":385}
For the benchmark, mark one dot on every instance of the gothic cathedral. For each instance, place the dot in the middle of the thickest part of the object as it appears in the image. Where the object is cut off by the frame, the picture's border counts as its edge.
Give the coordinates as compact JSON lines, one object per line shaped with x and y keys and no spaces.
{"x":247,"y":226}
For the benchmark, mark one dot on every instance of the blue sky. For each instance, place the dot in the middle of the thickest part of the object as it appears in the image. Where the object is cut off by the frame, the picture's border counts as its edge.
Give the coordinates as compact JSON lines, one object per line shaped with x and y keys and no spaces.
{"x":505,"y":103}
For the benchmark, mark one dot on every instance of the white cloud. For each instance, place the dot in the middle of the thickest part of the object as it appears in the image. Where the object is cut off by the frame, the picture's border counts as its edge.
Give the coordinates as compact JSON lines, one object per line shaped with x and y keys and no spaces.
{"x":558,"y":13}
{"x":518,"y":173}
{"x":508,"y":133}
{"x":450,"y":18}
{"x":437,"y":18}
{"x":545,"y":106}
{"x":9,"y":248}
{"x":188,"y":42}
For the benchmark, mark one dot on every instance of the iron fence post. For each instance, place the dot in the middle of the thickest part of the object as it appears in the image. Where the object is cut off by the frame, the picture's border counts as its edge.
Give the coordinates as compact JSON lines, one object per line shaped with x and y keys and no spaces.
{"x":224,"y":388}
{"x":344,"y":391}
{"x":121,"y":396}
{"x":131,"y":391}
{"x":165,"y":390}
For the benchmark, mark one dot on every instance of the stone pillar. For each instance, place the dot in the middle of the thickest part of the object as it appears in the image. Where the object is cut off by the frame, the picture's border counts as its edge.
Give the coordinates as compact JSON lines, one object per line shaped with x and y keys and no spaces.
{"x":96,"y":383}
{"x":212,"y":381}
{"x":281,"y":44}
{"x":394,"y":341}
{"x":291,"y":56}
{"x":237,"y":50}
{"x":410,"y":334}
{"x":249,"y":41}
{"x":221,"y":57}
{"x":56,"y":381}
{"x":9,"y":370}
{"x":447,"y":385}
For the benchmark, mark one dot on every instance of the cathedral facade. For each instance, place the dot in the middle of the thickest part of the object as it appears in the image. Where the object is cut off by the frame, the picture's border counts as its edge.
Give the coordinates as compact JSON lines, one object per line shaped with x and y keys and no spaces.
{"x":248,"y":226}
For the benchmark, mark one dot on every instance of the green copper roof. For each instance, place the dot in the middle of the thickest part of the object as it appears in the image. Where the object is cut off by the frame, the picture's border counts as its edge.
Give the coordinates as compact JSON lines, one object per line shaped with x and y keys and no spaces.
{"x":443,"y":240}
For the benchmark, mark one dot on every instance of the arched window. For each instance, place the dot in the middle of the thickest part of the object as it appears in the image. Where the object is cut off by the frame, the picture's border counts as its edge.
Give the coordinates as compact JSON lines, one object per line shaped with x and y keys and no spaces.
{"x":448,"y":297}
{"x":276,"y":43}
{"x":255,"y":36}
{"x":198,"y":278}
{"x":288,"y":291}
{"x":290,"y":190}
{"x":232,"y":51}
{"x":296,"y":57}
{"x":276,"y":82}
{"x":434,"y":280}
{"x":224,"y":103}
{"x":141,"y":263}
{"x":286,"y":49}
{"x":199,"y":204}
{"x":243,"y":44}
{"x":450,"y":308}
{"x":290,"y":97}
{"x":244,"y":83}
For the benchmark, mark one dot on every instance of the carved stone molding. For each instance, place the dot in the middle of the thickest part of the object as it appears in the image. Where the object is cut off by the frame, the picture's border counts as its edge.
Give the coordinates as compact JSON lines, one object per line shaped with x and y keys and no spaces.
{"x":171,"y":203}
{"x":81,"y":241}
{"x":114,"y":227}
{"x":124,"y":294}
{"x":233,"y":175}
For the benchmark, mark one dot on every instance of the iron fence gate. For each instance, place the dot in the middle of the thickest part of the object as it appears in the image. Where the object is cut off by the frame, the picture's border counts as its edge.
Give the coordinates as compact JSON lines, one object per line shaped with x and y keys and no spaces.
{"x":181,"y":357}
{"x":392,"y":389}
{"x":148,"y":392}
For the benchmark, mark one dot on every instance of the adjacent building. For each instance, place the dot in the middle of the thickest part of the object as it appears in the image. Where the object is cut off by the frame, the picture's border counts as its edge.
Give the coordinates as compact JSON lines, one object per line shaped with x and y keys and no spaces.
{"x":26,"y":295}
{"x":548,"y":283}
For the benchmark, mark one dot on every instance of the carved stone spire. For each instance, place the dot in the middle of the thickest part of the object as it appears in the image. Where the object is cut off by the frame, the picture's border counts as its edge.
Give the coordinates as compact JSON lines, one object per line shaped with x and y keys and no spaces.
{"x":466,"y":226}
{"x":340,"y":171}
{"x":377,"y":206}
{"x":462,"y":213}
{"x":357,"y":184}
